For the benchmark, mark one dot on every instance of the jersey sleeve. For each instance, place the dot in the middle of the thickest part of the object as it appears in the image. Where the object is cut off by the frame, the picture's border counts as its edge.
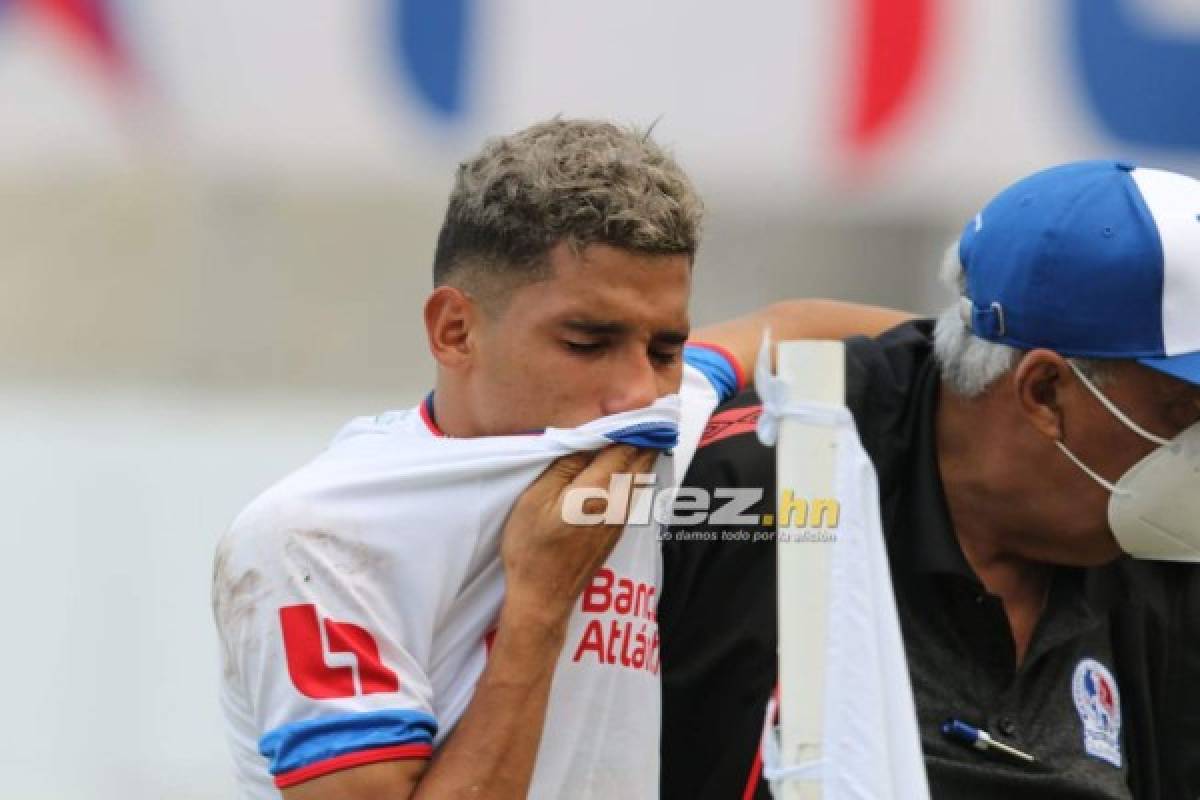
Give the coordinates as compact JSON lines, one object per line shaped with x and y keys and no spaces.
{"x":719,"y":366}
{"x":325,"y":662}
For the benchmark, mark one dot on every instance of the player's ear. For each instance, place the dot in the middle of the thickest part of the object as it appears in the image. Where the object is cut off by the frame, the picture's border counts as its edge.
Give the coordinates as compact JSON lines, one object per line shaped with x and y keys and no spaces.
{"x":450,"y":319}
{"x":1038,"y":379}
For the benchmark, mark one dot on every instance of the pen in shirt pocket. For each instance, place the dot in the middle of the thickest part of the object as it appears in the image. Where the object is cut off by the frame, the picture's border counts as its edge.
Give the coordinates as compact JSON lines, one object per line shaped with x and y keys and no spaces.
{"x":960,"y":731}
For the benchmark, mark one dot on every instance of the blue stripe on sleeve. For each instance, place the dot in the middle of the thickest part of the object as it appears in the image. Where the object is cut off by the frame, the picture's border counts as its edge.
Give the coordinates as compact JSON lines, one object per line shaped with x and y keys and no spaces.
{"x":716,"y":367}
{"x":309,"y":741}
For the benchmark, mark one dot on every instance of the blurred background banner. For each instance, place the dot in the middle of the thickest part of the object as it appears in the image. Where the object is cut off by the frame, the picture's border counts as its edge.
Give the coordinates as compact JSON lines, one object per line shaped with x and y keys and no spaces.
{"x":884,"y":102}
{"x":217,"y":219}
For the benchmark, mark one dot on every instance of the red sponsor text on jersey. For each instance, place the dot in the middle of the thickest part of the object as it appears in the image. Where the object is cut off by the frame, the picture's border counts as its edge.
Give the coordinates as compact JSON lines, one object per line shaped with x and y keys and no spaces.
{"x":628,"y":634}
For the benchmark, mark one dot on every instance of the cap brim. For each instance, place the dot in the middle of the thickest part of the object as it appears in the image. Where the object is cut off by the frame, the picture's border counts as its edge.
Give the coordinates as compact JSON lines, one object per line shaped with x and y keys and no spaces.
{"x":1186,"y":367}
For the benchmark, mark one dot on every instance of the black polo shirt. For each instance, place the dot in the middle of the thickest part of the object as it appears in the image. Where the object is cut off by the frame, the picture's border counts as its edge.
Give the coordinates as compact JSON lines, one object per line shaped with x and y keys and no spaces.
{"x":1092,"y":700}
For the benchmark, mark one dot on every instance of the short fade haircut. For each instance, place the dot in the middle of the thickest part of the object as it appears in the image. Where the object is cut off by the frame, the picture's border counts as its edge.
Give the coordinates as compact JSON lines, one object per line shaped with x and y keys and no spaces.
{"x":576,"y":181}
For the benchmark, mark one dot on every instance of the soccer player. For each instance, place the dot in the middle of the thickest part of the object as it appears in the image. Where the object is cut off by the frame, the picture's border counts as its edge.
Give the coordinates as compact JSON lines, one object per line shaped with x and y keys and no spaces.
{"x":385,"y":632}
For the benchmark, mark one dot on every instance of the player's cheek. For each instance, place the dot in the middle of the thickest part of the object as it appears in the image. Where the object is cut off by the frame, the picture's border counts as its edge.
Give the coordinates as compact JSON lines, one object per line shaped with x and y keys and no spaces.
{"x":670,"y":378}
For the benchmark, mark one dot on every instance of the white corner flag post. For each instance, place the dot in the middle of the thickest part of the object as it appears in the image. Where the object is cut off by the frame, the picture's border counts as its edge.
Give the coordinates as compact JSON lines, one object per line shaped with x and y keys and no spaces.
{"x":806,"y":456}
{"x":847,"y":718}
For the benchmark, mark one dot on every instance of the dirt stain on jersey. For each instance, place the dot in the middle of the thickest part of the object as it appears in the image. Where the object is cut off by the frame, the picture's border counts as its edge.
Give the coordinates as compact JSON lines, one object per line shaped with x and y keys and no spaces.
{"x":235,"y":595}
{"x":320,"y":557}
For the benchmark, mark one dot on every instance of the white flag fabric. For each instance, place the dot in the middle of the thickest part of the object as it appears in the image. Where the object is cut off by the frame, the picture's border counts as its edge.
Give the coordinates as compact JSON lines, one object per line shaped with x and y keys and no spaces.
{"x":872,"y":746}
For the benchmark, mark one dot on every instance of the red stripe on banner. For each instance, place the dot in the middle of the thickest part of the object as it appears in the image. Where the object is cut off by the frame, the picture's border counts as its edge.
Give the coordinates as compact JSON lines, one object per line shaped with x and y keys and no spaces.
{"x":890,"y":52}
{"x":89,"y":24}
{"x":375,"y":755}
{"x":730,"y":423}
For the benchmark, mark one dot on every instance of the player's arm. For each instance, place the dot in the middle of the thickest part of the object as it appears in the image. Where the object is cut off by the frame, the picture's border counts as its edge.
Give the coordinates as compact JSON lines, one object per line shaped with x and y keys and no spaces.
{"x":491,"y":752}
{"x":798,"y":319}
{"x":547,"y":564}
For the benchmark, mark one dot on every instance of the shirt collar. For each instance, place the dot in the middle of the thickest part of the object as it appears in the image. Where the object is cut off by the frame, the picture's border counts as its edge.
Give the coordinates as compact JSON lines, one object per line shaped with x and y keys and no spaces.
{"x":428,"y":416}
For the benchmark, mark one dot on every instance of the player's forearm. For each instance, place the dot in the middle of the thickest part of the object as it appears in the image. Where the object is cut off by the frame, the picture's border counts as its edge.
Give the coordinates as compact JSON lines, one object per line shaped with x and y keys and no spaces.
{"x":799,"y":319}
{"x":547,"y":562}
{"x":492,"y":750}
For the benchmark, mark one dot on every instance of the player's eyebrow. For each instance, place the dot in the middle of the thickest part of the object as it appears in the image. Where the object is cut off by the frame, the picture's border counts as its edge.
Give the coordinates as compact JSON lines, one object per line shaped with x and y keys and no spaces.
{"x":672,"y":337}
{"x":596,"y":327}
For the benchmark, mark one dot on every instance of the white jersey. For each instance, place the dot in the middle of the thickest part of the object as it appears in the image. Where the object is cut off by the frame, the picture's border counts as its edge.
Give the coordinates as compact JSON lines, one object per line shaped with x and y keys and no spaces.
{"x":356,"y":599}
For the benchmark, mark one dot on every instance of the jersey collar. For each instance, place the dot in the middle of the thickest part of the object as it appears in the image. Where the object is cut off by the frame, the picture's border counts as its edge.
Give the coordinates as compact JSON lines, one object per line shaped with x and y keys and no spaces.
{"x":428,"y":417}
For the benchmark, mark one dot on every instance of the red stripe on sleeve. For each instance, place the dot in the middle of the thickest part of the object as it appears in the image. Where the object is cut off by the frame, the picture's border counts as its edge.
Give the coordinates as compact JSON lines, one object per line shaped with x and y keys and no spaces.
{"x":361,"y":758}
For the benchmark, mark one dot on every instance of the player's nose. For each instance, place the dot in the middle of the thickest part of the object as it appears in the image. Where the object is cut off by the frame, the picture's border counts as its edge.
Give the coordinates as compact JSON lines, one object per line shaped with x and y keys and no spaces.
{"x":635,"y":385}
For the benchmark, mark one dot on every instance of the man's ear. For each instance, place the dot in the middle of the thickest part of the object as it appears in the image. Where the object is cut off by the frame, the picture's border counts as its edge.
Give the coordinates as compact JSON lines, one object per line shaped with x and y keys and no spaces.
{"x":1039,"y":379}
{"x":450,"y":320}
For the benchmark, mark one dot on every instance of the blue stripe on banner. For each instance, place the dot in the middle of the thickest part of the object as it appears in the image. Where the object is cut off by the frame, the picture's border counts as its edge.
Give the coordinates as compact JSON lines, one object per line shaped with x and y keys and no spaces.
{"x":309,"y":741}
{"x":1140,"y":78}
{"x":647,"y":434}
{"x":431,"y":47}
{"x":716,"y":367}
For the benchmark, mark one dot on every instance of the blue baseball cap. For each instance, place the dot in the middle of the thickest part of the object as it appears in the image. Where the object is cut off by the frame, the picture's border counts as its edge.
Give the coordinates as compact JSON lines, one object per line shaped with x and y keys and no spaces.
{"x":1092,"y":259}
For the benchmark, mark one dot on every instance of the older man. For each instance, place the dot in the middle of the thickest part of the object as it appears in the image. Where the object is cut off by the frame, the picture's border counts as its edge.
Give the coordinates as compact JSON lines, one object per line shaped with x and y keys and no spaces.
{"x":1047,"y":421}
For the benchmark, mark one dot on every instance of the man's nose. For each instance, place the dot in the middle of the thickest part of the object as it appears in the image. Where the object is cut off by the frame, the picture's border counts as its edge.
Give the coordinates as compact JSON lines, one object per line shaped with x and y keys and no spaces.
{"x":635,"y":384}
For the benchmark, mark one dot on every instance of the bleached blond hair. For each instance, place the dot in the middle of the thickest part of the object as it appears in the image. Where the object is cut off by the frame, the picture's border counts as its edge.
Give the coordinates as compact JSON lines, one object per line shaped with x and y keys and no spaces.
{"x":577,"y":181}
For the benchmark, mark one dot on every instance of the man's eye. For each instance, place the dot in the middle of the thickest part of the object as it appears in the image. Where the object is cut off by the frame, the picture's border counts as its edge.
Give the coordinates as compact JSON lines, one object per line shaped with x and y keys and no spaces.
{"x":583,"y":347}
{"x":664,"y":357}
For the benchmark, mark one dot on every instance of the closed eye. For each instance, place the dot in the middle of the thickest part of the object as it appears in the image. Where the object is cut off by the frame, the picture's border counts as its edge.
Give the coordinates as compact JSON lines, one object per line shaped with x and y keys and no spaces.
{"x":664,"y":357}
{"x":584,"y":347}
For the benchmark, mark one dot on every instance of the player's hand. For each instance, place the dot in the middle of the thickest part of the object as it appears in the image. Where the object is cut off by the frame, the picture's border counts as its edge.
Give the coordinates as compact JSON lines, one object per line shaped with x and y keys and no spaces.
{"x":548,"y":561}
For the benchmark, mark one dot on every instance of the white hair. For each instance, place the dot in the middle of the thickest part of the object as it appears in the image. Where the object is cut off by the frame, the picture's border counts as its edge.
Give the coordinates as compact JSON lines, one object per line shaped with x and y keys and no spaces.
{"x":971,"y":364}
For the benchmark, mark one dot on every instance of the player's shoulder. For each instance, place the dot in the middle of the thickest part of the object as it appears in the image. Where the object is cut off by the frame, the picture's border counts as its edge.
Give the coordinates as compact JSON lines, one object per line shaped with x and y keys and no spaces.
{"x":362,"y":435}
{"x":332,"y":489}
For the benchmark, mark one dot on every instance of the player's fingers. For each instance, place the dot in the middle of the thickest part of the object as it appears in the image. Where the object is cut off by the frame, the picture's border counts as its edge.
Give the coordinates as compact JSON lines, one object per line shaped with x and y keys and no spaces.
{"x":561,"y":472}
{"x":610,"y":461}
{"x":588,"y":470}
{"x":640,"y":463}
{"x":644,"y":460}
{"x":614,"y":476}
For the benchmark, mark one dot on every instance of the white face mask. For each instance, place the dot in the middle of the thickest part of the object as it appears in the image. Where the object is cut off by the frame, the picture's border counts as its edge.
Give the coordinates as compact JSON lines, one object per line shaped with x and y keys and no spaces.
{"x":1154,"y":509}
